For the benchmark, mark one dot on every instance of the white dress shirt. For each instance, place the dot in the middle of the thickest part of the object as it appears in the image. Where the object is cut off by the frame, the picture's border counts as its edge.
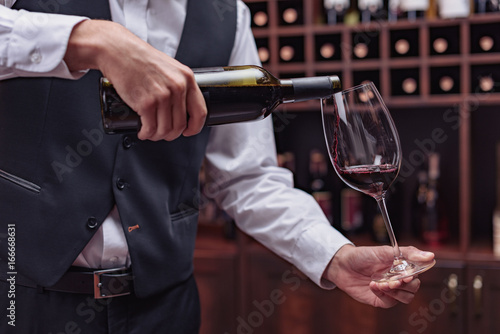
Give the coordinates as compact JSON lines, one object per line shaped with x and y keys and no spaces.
{"x":240,"y":158}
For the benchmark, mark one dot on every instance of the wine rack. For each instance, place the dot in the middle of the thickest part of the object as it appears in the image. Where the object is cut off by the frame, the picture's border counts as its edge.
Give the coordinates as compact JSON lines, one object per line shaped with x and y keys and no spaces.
{"x":441,"y":81}
{"x":448,"y":68}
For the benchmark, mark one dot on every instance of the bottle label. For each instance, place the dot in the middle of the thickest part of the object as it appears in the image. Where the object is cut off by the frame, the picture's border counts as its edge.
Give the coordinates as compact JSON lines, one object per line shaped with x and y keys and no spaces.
{"x":454,"y":8}
{"x":336,"y":4}
{"x":414,"y":5}
{"x":365,"y":4}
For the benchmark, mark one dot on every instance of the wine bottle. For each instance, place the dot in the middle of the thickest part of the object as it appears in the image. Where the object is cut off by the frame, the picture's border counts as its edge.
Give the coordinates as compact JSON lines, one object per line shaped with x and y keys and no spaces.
{"x":496,"y":212}
{"x":318,"y":171}
{"x":259,"y":12}
{"x":291,"y":12}
{"x":394,"y":10}
{"x":402,"y":46}
{"x":414,"y":8}
{"x":260,"y":19}
{"x":405,"y":82}
{"x":232,"y":94}
{"x":351,"y":211}
{"x":440,"y":45}
{"x":486,"y":6}
{"x":335,"y":10}
{"x":435,"y":224}
{"x":405,"y":43}
{"x":263,"y":54}
{"x":486,"y":43}
{"x":409,"y":85}
{"x":371,"y":10}
{"x":287,"y":53}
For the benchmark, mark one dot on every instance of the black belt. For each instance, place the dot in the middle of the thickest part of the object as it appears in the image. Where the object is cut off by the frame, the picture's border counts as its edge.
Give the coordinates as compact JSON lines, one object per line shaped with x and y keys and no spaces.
{"x":100,"y":283}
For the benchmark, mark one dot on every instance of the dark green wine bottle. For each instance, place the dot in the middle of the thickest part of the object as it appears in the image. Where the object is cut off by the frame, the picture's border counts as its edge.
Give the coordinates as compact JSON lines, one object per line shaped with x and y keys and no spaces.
{"x":232,"y":94}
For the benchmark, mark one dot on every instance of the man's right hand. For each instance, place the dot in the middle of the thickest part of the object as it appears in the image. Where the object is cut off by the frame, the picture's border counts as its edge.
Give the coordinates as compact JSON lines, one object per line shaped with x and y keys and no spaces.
{"x":159,"y":88}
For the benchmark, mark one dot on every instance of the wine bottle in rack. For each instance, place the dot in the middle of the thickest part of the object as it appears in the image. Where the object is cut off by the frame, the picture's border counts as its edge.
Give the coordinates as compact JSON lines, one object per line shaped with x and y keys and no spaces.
{"x":291,"y":12}
{"x":335,"y":10}
{"x":291,"y":49}
{"x":351,"y":18}
{"x":449,"y":9}
{"x":318,"y":172}
{"x":351,"y":210}
{"x":371,"y":10}
{"x":393,"y":10}
{"x":445,"y":40}
{"x":480,"y":6}
{"x":404,"y":43}
{"x":328,"y":47}
{"x":432,"y":12}
{"x":360,"y":50}
{"x":486,"y":83}
{"x":414,"y":9}
{"x":260,"y":16}
{"x":496,"y":212}
{"x":434,"y":220}
{"x":366,"y":46}
{"x":419,"y":208}
{"x":486,"y":6}
{"x":486,"y":43}
{"x":232,"y":94}
{"x":445,"y":80}
{"x":440,"y":45}
{"x":405,"y":82}
{"x":263,"y":49}
{"x":484,"y":78}
{"x":484,"y":38}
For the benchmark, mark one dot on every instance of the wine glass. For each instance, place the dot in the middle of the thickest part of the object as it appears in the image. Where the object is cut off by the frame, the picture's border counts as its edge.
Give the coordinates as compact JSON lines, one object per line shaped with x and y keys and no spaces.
{"x":365,"y":151}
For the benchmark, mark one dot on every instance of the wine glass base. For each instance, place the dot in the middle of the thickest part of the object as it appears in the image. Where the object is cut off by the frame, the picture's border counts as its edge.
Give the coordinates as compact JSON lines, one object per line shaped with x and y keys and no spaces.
{"x":400,"y":269}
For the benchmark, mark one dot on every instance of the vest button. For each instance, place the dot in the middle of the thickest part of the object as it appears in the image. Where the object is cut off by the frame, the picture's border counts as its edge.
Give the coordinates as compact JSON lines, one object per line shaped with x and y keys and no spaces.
{"x":121,"y":184}
{"x":92,"y":222}
{"x":127,"y":142}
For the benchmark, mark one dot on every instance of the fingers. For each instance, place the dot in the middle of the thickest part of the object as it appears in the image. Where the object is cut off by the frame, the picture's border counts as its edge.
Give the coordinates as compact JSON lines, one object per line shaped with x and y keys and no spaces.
{"x":197,"y":109}
{"x":165,"y":117}
{"x":390,"y":293}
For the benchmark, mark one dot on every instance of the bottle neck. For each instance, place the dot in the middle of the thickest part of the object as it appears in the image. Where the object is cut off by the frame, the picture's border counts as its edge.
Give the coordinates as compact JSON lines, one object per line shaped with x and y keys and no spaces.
{"x":311,"y":88}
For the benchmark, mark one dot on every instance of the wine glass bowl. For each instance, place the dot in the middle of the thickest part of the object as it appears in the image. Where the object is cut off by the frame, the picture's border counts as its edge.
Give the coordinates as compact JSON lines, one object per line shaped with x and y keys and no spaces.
{"x":365,"y":150}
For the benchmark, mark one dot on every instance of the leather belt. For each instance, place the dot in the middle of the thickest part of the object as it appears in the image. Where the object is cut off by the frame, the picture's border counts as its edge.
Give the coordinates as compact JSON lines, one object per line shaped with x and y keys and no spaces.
{"x":101,"y":284}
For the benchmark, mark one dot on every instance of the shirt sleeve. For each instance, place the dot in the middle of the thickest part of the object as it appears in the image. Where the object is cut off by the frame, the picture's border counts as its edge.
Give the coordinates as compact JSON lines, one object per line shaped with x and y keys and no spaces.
{"x":34,"y":44}
{"x":246,"y":182}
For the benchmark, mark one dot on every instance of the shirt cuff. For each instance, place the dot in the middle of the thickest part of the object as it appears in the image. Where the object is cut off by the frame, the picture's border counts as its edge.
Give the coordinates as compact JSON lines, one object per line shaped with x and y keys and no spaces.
{"x":315,"y":249}
{"x":38,"y":44}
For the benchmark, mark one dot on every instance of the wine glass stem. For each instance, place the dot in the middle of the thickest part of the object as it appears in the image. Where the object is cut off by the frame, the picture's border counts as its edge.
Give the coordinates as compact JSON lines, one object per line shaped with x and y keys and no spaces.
{"x":388,"y":226}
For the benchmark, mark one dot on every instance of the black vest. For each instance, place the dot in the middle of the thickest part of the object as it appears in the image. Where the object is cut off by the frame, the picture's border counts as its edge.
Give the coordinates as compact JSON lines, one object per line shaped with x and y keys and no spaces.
{"x":60,"y":175}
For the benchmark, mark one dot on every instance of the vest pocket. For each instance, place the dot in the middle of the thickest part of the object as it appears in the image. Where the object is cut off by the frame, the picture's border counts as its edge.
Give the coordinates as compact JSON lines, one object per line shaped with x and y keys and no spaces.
{"x":20,"y":182}
{"x":190,"y":213}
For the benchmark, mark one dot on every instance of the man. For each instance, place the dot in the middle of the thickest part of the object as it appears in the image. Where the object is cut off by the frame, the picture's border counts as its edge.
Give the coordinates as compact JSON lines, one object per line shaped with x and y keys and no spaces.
{"x":81,"y":201}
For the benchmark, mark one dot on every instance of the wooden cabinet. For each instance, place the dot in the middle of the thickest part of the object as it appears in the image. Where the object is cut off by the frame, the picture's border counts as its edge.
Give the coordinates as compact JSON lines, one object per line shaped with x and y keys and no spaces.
{"x":271,"y":296}
{"x":450,"y":105}
{"x":483,"y":295}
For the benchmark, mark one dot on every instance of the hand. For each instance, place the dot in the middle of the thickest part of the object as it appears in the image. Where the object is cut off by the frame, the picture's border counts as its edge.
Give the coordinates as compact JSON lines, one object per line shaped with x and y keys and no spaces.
{"x":159,"y":88}
{"x":351,"y":269}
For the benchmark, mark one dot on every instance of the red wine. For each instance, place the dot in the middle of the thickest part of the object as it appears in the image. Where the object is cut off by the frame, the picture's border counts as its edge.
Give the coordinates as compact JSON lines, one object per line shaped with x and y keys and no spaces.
{"x":372,"y":180}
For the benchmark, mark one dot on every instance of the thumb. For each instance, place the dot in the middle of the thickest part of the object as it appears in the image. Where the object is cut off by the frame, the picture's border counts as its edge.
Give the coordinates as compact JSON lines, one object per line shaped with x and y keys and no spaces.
{"x":415,"y":254}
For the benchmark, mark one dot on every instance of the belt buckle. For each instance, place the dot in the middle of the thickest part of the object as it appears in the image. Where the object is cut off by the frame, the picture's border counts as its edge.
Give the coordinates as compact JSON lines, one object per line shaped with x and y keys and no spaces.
{"x":98,"y":292}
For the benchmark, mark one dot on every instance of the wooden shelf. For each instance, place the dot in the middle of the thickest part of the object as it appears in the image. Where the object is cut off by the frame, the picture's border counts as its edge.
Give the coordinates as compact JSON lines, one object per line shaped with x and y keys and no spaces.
{"x":469,"y":120}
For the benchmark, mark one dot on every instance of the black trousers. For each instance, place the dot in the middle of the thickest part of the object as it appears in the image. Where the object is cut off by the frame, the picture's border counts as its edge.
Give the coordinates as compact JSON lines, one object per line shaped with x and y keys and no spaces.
{"x":176,"y":311}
